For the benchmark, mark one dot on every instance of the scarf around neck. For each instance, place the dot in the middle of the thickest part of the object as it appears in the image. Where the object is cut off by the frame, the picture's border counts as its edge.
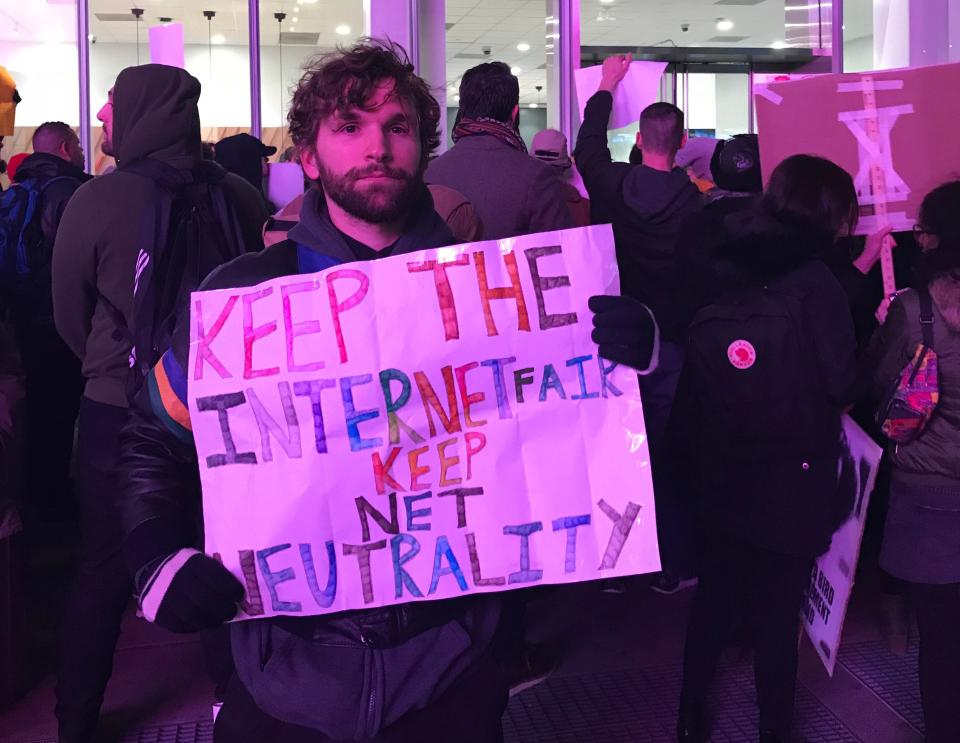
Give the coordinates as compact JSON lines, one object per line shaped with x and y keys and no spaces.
{"x":489,"y":127}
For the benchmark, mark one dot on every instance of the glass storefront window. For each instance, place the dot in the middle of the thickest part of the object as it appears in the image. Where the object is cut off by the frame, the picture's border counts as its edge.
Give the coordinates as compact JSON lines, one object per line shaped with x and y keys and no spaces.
{"x":291,"y":33}
{"x":705,"y":23}
{"x":510,"y":31}
{"x":858,"y":36}
{"x":216,"y":52}
{"x":38,"y":48}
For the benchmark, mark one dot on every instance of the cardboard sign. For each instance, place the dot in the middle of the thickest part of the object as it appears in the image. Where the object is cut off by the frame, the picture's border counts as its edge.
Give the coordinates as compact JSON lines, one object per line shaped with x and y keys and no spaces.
{"x":420,"y":427}
{"x":832,"y":579}
{"x":639,"y":88}
{"x":894,"y":131}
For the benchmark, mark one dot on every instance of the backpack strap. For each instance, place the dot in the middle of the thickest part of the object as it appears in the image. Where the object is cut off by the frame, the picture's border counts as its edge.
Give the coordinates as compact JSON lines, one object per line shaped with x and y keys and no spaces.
{"x":926,"y":315}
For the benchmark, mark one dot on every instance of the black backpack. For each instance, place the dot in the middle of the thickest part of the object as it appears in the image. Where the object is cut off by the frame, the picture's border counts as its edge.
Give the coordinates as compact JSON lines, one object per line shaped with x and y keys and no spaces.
{"x":23,"y":249}
{"x":754,"y":372}
{"x":195,"y":230}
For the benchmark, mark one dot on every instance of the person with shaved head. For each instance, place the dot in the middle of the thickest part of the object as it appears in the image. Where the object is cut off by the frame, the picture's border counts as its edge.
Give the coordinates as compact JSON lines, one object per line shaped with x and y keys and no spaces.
{"x":51,"y":175}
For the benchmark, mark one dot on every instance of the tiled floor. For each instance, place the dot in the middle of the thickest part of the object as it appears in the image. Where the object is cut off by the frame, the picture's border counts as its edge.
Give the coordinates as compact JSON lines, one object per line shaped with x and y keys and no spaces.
{"x":619,"y":682}
{"x":892,"y":678}
{"x":640,"y":705}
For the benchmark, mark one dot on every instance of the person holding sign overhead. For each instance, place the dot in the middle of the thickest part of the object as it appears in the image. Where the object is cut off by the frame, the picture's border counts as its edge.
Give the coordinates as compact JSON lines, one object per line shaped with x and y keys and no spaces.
{"x":648,"y":204}
{"x":365,"y":125}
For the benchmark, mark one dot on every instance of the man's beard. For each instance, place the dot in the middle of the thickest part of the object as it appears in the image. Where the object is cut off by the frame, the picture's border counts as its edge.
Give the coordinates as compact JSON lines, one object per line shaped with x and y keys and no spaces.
{"x":379,"y":202}
{"x":106,"y":145}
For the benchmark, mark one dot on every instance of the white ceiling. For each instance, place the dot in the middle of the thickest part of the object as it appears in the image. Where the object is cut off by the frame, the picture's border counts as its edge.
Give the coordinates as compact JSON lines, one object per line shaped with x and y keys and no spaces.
{"x":472,"y":25}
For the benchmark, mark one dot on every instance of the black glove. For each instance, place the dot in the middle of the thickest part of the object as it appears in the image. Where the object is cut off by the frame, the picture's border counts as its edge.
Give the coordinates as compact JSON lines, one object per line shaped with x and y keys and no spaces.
{"x":626,"y":332}
{"x":188,"y":591}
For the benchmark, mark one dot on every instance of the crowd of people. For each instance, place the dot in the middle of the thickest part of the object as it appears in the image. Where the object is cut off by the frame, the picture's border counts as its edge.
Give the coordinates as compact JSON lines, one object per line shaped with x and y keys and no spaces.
{"x":719,"y":275}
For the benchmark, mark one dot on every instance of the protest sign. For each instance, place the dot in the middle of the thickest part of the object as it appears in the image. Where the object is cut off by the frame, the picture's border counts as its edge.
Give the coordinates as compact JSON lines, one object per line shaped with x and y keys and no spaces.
{"x":639,"y":88}
{"x":832,"y":579}
{"x":893,"y":131}
{"x":166,"y":45}
{"x":420,"y":427}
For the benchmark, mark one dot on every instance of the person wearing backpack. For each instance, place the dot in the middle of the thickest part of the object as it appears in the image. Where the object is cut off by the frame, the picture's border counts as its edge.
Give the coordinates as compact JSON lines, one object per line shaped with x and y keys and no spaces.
{"x":921,"y":540}
{"x":770,"y":367}
{"x":30,"y":213}
{"x":130,"y":244}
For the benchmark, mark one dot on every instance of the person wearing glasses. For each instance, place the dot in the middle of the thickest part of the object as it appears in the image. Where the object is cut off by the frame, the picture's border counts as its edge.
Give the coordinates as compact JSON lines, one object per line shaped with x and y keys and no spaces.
{"x":921,"y":540}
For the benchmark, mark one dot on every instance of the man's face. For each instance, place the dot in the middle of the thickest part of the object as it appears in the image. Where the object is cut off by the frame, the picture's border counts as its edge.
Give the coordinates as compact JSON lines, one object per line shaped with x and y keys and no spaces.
{"x":369,"y":162}
{"x":105,"y":115}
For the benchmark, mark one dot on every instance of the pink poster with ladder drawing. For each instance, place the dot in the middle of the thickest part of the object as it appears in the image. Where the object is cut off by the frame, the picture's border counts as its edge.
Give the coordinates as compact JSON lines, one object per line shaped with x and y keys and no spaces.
{"x":894,"y":131}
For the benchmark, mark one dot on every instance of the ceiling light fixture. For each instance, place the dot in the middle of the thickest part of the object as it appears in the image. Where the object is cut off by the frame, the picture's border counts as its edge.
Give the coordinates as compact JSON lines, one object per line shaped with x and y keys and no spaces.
{"x":218,"y":39}
{"x":523,"y":47}
{"x":210,"y":15}
{"x":515,"y":71}
{"x":342,"y":30}
{"x":606,"y":2}
{"x":533,"y":105}
{"x":724,"y":24}
{"x":779,"y":45}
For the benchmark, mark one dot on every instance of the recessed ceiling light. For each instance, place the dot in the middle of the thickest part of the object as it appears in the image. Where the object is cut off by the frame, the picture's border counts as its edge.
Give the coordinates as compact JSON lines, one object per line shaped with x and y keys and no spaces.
{"x":293,"y":28}
{"x":295,"y":19}
{"x":533,"y":105}
{"x":779,"y":45}
{"x":606,"y":2}
{"x":724,"y":24}
{"x":523,"y":47}
{"x":515,"y":71}
{"x":456,"y":97}
{"x":342,"y":30}
{"x":218,"y":39}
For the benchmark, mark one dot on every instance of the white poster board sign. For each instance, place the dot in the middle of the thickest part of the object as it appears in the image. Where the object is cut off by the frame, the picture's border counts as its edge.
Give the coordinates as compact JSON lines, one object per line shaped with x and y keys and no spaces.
{"x":420,"y":427}
{"x":638,"y":89}
{"x":833,"y":576}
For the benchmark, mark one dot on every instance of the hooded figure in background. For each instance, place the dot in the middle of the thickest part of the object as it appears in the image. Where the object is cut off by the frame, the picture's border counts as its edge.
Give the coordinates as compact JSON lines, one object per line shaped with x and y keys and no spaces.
{"x":246,"y":156}
{"x":109,"y":225}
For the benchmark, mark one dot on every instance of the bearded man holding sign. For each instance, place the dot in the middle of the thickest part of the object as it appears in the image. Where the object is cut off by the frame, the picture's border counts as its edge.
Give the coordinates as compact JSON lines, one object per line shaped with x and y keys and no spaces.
{"x":365,"y":126}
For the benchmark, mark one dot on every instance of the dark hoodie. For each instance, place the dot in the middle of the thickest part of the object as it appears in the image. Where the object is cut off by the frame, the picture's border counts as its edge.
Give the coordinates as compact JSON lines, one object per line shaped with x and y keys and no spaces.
{"x":647,"y":207}
{"x":785,"y":498}
{"x":155,"y":116}
{"x":349,"y":674}
{"x":59,"y":180}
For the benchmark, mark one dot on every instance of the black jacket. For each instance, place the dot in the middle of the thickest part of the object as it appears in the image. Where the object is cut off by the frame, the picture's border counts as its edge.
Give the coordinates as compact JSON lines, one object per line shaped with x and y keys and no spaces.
{"x":786,"y":498}
{"x":42,"y":168}
{"x":647,"y":208}
{"x":699,"y":245}
{"x":33,"y":304}
{"x":162,"y":513}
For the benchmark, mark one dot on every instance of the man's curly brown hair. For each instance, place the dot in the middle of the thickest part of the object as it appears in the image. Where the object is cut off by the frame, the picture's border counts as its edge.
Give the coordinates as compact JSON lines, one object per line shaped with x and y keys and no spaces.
{"x":346,"y":78}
